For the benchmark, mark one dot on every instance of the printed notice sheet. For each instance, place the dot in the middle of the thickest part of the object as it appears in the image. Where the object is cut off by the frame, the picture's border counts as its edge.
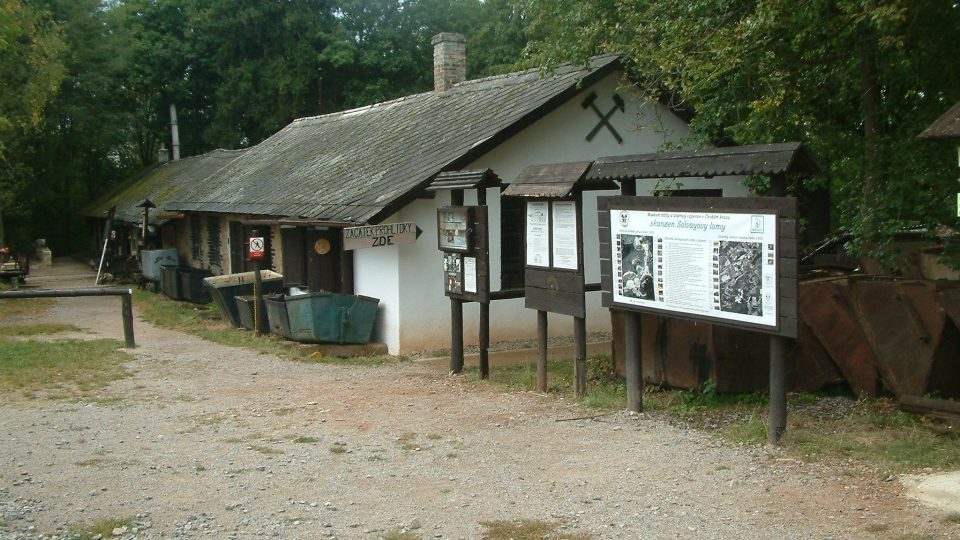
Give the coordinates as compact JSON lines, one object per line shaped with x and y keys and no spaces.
{"x":470,"y":274}
{"x":708,"y":264}
{"x":565,"y":235}
{"x":538,"y":234}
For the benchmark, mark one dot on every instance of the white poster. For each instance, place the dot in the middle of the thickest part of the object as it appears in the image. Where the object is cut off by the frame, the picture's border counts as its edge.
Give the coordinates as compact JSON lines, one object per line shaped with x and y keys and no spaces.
{"x":538,"y":234}
{"x":565,"y":235}
{"x":470,"y":274}
{"x":708,"y":264}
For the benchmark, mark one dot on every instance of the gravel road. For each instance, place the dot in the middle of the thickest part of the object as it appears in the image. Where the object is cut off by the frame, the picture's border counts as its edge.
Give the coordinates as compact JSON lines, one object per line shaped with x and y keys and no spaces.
{"x":210,"y":441}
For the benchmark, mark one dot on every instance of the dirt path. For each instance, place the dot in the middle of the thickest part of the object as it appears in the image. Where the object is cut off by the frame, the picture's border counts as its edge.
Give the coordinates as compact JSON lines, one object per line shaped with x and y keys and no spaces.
{"x":211,"y":441}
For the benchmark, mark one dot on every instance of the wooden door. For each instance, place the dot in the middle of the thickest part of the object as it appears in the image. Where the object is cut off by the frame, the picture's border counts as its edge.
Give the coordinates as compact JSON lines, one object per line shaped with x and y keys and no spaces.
{"x":324,"y":249}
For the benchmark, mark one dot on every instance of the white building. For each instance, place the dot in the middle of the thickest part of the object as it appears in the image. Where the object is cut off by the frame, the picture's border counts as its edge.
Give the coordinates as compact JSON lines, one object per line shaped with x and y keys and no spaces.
{"x":371,"y":165}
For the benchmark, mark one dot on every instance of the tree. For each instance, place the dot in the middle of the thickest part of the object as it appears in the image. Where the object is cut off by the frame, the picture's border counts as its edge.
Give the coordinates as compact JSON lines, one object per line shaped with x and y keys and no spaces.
{"x":54,"y":165}
{"x":31,"y":69}
{"x":856,"y":80}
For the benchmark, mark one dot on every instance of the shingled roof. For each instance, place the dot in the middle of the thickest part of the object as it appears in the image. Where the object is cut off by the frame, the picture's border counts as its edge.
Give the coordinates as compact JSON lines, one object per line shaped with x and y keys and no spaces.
{"x":160,"y":184}
{"x":768,"y":159}
{"x":362,"y":165}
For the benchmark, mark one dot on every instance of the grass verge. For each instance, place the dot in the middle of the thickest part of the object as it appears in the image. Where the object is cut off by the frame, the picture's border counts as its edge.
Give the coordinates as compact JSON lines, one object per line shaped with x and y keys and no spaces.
{"x":101,"y":529}
{"x":20,"y":308}
{"x":74,"y":368}
{"x":528,"y":529}
{"x":819,"y":426}
{"x":28,"y":330}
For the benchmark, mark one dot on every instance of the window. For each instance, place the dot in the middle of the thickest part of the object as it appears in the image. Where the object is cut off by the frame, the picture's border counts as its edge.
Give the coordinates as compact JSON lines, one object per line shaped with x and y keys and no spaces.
{"x":213,"y":241}
{"x":195,"y":237}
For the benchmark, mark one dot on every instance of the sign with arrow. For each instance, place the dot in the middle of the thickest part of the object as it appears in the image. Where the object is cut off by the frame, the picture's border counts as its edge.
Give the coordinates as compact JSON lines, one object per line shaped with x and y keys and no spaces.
{"x":386,"y":234}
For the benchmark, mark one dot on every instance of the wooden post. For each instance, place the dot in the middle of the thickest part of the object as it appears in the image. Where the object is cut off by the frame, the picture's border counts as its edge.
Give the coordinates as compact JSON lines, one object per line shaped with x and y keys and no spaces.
{"x":456,"y":312}
{"x":257,"y":292}
{"x":541,"y":351}
{"x":127,"y":313}
{"x":484,"y":305}
{"x":456,"y":339}
{"x":632,"y":359}
{"x":580,"y":364}
{"x":632,"y":350}
{"x":778,"y":388}
{"x":484,"y":340}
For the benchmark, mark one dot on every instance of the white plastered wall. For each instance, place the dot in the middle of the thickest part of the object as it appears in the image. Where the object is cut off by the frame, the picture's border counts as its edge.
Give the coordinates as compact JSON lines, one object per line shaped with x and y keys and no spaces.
{"x":418,"y":318}
{"x":376,"y":273}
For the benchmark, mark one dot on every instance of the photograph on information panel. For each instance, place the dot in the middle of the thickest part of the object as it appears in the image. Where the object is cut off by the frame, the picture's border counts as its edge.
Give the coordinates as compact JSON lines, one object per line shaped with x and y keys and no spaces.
{"x":700,"y":263}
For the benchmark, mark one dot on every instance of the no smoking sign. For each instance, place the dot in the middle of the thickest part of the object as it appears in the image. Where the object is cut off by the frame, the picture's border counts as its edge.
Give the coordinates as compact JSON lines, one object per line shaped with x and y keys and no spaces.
{"x":256,"y":248}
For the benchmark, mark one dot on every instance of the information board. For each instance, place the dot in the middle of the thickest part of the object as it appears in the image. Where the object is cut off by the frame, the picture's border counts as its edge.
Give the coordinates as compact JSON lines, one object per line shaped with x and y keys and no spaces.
{"x":721,"y":265}
{"x":453,"y":229}
{"x":564,"y":232}
{"x":722,"y":260}
{"x":470,"y":274}
{"x":452,"y":273}
{"x":538,"y":233}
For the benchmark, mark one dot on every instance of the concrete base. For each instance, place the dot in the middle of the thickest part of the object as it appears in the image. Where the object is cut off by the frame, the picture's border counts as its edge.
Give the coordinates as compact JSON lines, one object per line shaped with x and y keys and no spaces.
{"x":343,"y":351}
{"x":938,"y":490}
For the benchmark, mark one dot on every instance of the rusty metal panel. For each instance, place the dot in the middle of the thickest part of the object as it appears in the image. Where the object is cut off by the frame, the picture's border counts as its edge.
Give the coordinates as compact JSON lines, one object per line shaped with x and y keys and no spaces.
{"x":741,"y":360}
{"x":684,"y":353}
{"x":824,"y":308}
{"x":949,"y":301}
{"x":811,"y":367}
{"x":902,"y":345}
{"x":944,"y":379}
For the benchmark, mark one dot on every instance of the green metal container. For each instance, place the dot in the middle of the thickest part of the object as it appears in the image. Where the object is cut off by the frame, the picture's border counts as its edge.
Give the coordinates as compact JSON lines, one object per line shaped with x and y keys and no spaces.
{"x":277,"y":315}
{"x":191,"y":284}
{"x":224,"y":288}
{"x":245,"y":313}
{"x":170,"y":281}
{"x":331,"y":318}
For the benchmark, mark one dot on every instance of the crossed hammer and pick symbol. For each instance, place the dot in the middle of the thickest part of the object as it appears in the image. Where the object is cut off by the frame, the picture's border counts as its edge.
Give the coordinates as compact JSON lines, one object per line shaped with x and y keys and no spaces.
{"x":590,"y":102}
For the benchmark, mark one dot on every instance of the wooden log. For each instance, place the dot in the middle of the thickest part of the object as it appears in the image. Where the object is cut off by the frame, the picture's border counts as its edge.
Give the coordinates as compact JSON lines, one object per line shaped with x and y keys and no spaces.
{"x":922,"y":405}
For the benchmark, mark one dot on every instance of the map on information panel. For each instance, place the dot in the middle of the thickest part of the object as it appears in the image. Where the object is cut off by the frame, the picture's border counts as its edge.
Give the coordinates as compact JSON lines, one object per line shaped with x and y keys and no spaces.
{"x":721,"y":265}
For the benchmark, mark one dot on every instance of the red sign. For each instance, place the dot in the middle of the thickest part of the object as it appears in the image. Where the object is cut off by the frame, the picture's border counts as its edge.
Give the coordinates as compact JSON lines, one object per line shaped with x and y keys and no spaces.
{"x":256,"y":248}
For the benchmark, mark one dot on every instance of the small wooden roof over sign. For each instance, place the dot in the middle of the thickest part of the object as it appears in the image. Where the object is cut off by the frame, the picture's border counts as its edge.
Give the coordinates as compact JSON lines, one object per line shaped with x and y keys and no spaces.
{"x":945,"y":127}
{"x":769,"y":159}
{"x":555,"y":181}
{"x":465,"y":179}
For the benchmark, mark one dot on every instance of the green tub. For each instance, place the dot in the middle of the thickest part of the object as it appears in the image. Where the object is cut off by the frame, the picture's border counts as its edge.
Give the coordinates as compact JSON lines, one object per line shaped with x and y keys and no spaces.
{"x":324,"y":317}
{"x":224,"y":288}
{"x":169,"y":283}
{"x":245,"y":312}
{"x":277,"y":315}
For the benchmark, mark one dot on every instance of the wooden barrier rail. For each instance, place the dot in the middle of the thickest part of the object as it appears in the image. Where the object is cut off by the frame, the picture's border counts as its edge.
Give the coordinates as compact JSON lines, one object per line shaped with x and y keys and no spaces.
{"x":126,"y":305}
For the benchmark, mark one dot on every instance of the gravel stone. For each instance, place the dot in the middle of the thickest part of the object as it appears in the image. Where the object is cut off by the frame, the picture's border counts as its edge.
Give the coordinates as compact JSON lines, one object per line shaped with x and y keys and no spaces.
{"x":198,"y":443}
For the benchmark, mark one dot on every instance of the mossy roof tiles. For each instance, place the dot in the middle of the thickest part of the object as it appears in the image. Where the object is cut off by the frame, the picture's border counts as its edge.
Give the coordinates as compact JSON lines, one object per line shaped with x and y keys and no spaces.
{"x":363,"y":164}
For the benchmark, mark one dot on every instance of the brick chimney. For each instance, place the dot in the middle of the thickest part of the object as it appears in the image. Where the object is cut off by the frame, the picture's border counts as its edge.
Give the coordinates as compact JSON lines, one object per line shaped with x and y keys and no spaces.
{"x":449,"y":60}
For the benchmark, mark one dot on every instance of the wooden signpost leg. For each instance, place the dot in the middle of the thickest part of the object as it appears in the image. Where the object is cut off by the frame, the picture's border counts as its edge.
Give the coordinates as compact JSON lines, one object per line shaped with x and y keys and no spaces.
{"x":484,"y":340}
{"x":542,"y":351}
{"x":778,"y":388}
{"x":456,"y":340}
{"x":257,"y":296}
{"x":580,"y":364}
{"x":633,"y":361}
